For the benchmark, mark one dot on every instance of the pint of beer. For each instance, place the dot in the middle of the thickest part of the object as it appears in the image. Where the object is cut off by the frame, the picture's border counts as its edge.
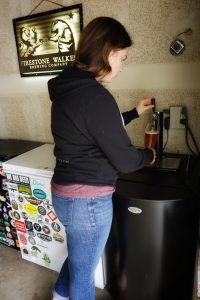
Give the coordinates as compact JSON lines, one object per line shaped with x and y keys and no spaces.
{"x":151,"y":136}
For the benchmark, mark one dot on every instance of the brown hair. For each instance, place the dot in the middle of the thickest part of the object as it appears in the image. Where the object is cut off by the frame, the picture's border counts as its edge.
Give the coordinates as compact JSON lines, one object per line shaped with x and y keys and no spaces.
{"x":98,"y":39}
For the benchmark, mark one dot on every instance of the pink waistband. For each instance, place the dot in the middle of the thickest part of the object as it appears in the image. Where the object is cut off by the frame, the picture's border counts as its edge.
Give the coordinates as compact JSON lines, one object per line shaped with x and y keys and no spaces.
{"x":81,"y":190}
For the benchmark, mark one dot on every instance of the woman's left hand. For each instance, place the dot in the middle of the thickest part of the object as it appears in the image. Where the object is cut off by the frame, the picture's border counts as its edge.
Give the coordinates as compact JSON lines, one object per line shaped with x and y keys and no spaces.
{"x":144,"y":105}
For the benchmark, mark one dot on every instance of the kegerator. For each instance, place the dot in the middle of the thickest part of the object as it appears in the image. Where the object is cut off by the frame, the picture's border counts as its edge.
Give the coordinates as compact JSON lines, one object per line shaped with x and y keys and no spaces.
{"x":151,"y":252}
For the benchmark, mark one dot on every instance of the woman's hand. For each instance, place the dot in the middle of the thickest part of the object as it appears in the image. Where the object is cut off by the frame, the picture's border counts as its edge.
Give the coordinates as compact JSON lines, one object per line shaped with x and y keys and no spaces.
{"x":144,"y":105}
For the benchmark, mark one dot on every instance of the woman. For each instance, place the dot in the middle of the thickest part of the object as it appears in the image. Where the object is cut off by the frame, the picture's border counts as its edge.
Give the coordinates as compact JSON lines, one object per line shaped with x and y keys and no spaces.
{"x":91,"y":147}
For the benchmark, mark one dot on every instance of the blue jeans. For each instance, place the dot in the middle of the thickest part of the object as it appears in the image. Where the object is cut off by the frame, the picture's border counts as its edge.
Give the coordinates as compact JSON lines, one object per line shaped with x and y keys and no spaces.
{"x":87,"y":223}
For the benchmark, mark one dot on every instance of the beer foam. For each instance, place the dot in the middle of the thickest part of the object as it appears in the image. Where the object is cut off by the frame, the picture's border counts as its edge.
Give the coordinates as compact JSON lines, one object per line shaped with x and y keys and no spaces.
{"x":152,"y":132}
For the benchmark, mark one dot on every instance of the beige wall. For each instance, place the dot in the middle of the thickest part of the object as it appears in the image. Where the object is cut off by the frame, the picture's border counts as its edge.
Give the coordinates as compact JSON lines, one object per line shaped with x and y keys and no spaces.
{"x":150,"y":71}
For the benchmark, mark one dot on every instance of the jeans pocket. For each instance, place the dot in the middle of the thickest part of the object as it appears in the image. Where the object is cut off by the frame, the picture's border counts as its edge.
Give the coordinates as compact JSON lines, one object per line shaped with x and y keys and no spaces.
{"x":63,"y":208}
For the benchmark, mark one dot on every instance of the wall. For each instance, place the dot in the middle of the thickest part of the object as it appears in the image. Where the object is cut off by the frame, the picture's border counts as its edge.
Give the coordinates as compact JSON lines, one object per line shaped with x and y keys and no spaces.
{"x":150,"y":71}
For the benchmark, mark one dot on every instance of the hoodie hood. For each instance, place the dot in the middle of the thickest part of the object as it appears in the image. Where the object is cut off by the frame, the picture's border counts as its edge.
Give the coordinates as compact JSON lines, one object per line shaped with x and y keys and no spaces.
{"x":69,"y":80}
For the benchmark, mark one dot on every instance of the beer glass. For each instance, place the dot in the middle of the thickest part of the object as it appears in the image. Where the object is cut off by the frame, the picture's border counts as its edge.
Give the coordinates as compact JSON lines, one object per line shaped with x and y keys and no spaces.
{"x":151,"y":135}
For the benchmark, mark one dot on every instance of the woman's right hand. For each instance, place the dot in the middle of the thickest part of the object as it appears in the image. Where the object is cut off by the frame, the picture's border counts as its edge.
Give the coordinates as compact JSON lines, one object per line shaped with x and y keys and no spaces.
{"x":154,"y":158}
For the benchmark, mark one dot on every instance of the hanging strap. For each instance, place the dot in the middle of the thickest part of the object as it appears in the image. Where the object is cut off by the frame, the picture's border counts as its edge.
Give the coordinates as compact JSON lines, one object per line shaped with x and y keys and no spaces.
{"x":41,"y":3}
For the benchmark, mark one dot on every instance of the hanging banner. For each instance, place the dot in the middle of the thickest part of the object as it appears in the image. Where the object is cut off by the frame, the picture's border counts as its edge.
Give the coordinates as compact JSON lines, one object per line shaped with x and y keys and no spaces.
{"x":46,"y":42}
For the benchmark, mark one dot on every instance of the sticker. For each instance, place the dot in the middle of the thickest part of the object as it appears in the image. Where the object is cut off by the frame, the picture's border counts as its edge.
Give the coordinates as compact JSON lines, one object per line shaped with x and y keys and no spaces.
{"x":44,"y":237}
{"x":18,"y":179}
{"x":38,"y":183}
{"x":25,"y":251}
{"x":5,"y":240}
{"x":46,"y":229}
{"x":37,"y":227}
{"x":58,"y":237}
{"x":11,"y":186}
{"x":29,"y":208}
{"x":33,"y":200}
{"x":22,"y":239}
{"x":42,"y":210}
{"x":23,"y":189}
{"x":31,"y":233}
{"x":12,"y":222}
{"x":17,"y":243}
{"x":16,"y":215}
{"x":20,"y":226}
{"x":21,"y":199}
{"x":14,"y":205}
{"x":24,"y":180}
{"x":8,"y":205}
{"x":40,"y":194}
{"x":7,"y":228}
{"x":40,"y":219}
{"x":31,"y":240}
{"x":9,"y":235}
{"x":29,"y":225}
{"x":11,"y":214}
{"x":55,"y":226}
{"x":24,"y":215}
{"x":47,"y":204}
{"x":33,"y":218}
{"x":6,"y":223}
{"x":2,"y":228}
{"x":52,"y":215}
{"x":6,"y":217}
{"x":46,"y":220}
{"x":35,"y":250}
{"x":7,"y":196}
{"x":14,"y":232}
{"x":46,"y":259}
{"x":2,"y":198}
{"x":134,"y":210}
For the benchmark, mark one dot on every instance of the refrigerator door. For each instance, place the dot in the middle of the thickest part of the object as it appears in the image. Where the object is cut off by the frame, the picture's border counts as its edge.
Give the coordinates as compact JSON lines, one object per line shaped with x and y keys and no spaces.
{"x":41,"y":236}
{"x":8,"y":150}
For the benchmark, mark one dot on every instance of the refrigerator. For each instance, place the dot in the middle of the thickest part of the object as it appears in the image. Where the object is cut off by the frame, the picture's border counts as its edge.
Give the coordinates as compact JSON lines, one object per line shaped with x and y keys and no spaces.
{"x":8,"y":149}
{"x":42,"y":238}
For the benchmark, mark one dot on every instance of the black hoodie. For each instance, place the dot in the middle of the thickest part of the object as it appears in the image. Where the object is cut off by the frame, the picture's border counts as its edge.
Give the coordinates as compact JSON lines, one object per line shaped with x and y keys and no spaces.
{"x":91,"y":144}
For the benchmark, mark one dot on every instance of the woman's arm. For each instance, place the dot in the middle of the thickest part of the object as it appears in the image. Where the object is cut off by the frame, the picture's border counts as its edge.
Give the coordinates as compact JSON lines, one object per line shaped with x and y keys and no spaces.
{"x":134,"y":113}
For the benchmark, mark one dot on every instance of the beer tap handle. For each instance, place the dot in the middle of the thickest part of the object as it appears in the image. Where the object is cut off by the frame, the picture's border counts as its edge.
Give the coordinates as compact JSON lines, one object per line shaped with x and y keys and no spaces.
{"x":153,"y":102}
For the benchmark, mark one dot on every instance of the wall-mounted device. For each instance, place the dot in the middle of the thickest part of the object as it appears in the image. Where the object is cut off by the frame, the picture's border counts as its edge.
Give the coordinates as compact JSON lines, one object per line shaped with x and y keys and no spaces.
{"x":177,"y":47}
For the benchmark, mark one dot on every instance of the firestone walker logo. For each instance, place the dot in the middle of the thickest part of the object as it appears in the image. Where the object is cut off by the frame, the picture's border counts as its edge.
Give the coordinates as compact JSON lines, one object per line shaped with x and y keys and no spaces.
{"x":47,"y":42}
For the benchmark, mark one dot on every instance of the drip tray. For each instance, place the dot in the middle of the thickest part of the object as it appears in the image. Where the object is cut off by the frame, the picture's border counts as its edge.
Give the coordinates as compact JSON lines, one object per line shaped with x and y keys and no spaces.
{"x":166,"y":164}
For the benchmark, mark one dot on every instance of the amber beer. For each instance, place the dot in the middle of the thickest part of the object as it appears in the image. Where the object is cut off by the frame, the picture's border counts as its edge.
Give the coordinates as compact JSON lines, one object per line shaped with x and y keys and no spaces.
{"x":151,"y":138}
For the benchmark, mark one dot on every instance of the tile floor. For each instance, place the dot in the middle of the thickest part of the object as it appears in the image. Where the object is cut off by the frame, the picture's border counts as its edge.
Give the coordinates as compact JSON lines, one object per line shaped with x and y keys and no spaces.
{"x":23,"y":280}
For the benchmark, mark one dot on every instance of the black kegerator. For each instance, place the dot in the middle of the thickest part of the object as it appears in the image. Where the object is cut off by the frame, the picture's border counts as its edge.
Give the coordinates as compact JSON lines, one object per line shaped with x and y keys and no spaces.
{"x":151,"y":252}
{"x":8,"y":150}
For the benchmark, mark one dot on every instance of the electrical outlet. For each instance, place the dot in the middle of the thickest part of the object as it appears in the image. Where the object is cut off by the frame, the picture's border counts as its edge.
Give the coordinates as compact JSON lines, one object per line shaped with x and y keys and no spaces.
{"x":175,"y":117}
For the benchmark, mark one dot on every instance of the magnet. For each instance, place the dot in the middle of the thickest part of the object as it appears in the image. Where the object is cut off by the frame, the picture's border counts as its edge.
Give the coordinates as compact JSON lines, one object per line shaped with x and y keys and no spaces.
{"x":37,"y":227}
{"x":29,"y":225}
{"x":31,"y":240}
{"x":42,"y":210}
{"x":55,"y":226}
{"x":24,"y":215}
{"x":58,"y":237}
{"x":46,"y":229}
{"x":16,"y":215}
{"x":14,"y":205}
{"x":44,"y":237}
